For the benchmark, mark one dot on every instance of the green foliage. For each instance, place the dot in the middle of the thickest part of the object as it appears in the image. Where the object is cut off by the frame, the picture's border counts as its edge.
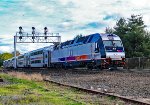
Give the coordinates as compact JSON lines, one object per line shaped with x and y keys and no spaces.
{"x":134,"y":37}
{"x":1,"y":62}
{"x":109,"y":30}
{"x":27,"y":92}
{"x":112,"y":97}
{"x":23,"y":92}
{"x":78,"y":36}
{"x":5,"y":56}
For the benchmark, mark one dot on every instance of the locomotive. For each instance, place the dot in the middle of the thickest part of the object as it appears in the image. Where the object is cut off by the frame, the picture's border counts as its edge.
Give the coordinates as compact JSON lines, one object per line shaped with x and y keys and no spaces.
{"x":95,"y":51}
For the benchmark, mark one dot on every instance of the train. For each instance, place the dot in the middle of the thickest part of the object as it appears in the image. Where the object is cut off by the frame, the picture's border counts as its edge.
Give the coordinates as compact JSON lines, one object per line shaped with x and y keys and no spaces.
{"x":94,"y":51}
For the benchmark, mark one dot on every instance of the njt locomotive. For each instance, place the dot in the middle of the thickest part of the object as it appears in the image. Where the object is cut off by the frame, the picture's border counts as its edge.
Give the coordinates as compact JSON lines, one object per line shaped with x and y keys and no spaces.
{"x":92,"y":51}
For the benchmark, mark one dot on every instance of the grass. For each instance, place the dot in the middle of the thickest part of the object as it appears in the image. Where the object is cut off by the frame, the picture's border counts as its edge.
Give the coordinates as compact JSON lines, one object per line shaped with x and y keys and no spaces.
{"x":1,"y":68}
{"x":23,"y":91}
{"x":30,"y":89}
{"x":112,"y":97}
{"x":23,"y":75}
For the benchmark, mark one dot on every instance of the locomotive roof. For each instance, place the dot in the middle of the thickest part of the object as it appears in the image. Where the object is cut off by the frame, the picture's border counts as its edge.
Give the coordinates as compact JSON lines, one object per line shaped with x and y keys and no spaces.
{"x":43,"y":48}
{"x":89,"y":39}
{"x":110,"y":37}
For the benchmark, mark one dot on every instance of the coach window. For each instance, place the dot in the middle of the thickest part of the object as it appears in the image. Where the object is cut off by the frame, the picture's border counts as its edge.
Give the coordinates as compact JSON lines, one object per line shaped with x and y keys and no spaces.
{"x":96,"y":48}
{"x":46,"y":56}
{"x":40,"y":52}
{"x":36,"y":53}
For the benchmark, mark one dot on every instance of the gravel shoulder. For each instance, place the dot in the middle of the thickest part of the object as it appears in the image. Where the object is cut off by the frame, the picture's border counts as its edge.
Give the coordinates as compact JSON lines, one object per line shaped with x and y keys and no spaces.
{"x":131,"y":84}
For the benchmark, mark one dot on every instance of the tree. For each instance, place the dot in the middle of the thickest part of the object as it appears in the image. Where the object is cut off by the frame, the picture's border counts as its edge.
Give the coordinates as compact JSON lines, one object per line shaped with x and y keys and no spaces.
{"x":109,"y":30}
{"x":78,"y":36}
{"x":146,"y":44}
{"x":121,"y":28}
{"x":134,"y":37}
{"x":1,"y":62}
{"x":5,"y":56}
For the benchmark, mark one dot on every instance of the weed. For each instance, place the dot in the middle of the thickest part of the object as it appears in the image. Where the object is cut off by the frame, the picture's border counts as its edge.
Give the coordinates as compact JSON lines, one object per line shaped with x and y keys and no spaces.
{"x":112,"y":97}
{"x":30,"y":92}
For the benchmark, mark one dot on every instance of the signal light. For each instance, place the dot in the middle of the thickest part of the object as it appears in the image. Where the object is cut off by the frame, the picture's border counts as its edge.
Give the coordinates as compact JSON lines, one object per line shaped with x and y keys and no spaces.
{"x":20,"y":37}
{"x":33,"y":30}
{"x":33,"y":37}
{"x":45,"y":37}
{"x":45,"y":30}
{"x":20,"y":30}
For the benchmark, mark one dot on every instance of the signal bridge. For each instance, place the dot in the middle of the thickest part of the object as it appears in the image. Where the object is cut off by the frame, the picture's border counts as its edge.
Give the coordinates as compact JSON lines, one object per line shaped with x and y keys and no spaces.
{"x":35,"y":37}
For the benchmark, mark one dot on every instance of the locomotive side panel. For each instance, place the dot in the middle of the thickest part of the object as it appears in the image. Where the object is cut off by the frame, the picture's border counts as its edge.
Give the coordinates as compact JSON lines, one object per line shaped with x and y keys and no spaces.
{"x":75,"y":55}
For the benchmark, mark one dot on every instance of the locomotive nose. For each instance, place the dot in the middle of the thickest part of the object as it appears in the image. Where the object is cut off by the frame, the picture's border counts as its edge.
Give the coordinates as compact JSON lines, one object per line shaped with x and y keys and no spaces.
{"x":115,"y":56}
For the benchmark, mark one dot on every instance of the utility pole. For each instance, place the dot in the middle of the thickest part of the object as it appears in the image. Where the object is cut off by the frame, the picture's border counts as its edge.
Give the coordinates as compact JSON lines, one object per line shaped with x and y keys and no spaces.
{"x":34,"y":37}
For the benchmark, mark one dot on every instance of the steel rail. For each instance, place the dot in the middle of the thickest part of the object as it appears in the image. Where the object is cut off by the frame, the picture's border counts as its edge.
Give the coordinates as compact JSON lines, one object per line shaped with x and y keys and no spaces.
{"x":126,"y":99}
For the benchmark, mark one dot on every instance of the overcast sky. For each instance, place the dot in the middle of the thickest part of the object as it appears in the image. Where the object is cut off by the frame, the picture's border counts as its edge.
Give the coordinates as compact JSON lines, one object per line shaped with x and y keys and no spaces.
{"x":68,"y":17}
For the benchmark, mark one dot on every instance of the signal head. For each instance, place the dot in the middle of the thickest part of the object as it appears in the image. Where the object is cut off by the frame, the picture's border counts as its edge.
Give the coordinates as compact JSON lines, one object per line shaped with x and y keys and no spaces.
{"x":33,"y":28}
{"x":45,"y":28}
{"x":20,"y":28}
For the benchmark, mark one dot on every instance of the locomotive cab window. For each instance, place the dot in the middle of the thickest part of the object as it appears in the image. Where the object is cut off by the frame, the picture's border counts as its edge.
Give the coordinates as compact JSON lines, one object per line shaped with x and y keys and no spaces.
{"x":113,"y":46}
{"x":114,"y":43}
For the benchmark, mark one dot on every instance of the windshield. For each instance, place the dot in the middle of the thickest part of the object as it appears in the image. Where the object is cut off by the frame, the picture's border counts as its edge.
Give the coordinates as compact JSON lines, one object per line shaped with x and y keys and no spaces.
{"x":114,"y":43}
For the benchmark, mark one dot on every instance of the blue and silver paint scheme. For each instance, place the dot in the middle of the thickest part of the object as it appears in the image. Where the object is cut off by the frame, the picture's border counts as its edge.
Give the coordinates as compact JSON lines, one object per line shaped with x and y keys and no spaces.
{"x":36,"y":58}
{"x":20,"y":61}
{"x":88,"y":49}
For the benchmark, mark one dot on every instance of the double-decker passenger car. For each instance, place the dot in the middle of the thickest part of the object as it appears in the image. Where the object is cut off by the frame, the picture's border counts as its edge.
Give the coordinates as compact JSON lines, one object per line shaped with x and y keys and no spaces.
{"x":36,"y":58}
{"x":20,"y":61}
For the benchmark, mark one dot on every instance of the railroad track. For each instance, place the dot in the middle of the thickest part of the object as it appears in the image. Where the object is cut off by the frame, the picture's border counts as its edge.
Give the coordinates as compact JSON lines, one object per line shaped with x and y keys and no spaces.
{"x":126,"y":99}
{"x":136,"y":83}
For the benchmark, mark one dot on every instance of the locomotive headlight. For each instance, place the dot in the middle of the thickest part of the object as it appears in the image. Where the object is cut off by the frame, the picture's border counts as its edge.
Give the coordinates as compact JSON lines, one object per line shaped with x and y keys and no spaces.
{"x":108,"y":59}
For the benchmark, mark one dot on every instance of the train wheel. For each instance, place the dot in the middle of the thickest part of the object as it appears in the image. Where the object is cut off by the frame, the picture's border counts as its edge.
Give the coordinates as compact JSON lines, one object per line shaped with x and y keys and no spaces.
{"x":57,"y":66}
{"x":99,"y":67}
{"x":61,"y":66}
{"x":89,"y":66}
